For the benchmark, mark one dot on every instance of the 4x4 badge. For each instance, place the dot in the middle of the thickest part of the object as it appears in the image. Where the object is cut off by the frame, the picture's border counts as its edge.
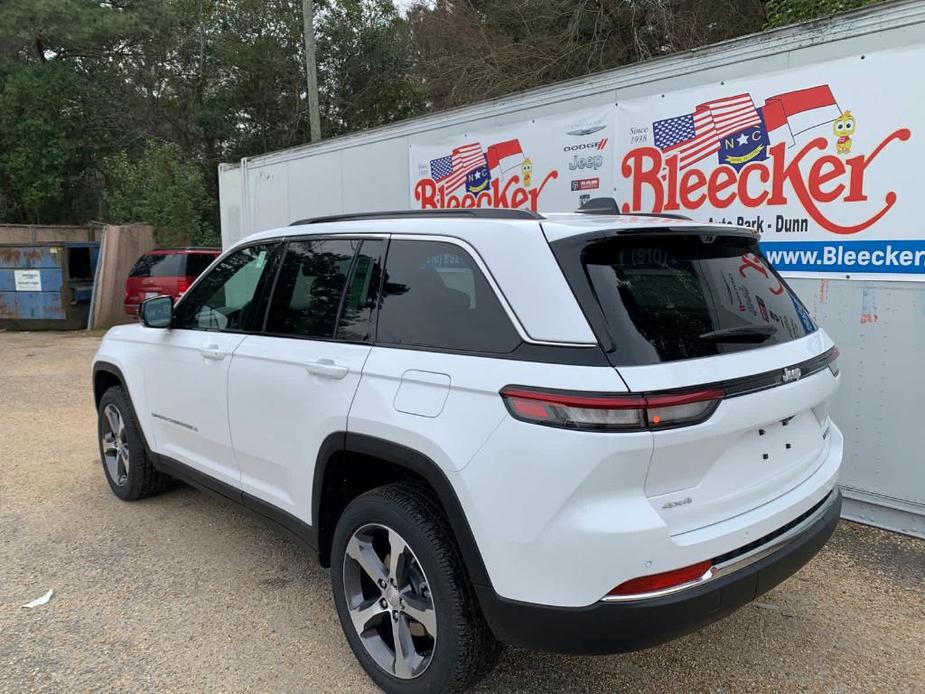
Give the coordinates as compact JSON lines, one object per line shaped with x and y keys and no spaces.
{"x":791,"y":374}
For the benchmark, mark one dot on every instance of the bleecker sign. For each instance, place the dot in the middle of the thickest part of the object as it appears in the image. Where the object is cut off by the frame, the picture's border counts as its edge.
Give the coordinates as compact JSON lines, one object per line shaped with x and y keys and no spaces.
{"x":821,"y":161}
{"x":829,"y":178}
{"x":530,"y":165}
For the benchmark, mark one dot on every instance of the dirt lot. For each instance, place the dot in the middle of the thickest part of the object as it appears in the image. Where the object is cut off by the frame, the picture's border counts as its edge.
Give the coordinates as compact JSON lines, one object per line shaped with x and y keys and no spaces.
{"x":185,"y":593}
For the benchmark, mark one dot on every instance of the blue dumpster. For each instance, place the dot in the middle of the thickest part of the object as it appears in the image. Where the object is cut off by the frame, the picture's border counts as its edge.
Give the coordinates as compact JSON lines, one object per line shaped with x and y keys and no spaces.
{"x":46,"y":286}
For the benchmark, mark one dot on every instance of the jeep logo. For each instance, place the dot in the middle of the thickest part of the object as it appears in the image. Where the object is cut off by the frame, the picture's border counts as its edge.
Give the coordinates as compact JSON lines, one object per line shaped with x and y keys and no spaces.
{"x":791,"y":374}
{"x":592,"y":162}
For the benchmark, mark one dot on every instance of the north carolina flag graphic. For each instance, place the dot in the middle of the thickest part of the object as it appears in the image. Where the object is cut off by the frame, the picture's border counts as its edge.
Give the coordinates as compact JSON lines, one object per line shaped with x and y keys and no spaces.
{"x":792,"y":113}
{"x":504,"y":156}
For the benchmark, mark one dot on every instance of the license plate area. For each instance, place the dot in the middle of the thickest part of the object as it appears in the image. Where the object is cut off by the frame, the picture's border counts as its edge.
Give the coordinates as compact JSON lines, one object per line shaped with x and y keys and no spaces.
{"x":766,"y":452}
{"x":787,"y":440}
{"x":748,"y":469}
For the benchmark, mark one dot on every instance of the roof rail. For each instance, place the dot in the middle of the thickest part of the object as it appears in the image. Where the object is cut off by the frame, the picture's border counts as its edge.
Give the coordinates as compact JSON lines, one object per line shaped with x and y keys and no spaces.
{"x":477,"y":212}
{"x":609,"y":206}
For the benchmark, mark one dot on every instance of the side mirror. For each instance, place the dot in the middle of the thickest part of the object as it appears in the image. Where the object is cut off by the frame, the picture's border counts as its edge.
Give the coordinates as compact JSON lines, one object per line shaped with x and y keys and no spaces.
{"x":157,"y":312}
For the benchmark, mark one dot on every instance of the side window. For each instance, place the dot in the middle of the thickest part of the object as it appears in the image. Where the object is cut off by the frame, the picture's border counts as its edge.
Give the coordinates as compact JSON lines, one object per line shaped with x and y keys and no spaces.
{"x":196,"y":263}
{"x":310,"y":286}
{"x":435,"y":296}
{"x":356,"y":317}
{"x":224,"y":299}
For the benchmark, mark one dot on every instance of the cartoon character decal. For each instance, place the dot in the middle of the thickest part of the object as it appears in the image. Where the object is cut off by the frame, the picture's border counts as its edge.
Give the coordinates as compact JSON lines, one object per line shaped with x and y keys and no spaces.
{"x":526,"y":168}
{"x":843,"y":128}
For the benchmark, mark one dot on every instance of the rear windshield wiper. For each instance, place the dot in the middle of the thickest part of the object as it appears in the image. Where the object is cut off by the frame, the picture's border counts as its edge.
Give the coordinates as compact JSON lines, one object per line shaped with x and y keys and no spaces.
{"x":751,"y":333}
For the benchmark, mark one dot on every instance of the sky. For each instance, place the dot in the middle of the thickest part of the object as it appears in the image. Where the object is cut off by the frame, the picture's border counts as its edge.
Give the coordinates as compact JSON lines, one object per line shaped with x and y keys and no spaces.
{"x":403,"y":5}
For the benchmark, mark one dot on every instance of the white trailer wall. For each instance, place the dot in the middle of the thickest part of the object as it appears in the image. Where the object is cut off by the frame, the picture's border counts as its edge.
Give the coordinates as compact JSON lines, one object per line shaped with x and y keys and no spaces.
{"x":884,"y":471}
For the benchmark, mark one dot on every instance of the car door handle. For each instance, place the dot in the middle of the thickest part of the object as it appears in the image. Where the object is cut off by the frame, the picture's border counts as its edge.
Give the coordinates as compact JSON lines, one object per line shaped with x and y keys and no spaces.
{"x":327,"y":368}
{"x":213,"y":352}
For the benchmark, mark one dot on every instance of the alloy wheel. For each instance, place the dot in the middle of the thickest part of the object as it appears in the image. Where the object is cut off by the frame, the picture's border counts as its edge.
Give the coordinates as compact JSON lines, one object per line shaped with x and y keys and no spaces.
{"x":115,"y":445}
{"x":389,"y":601}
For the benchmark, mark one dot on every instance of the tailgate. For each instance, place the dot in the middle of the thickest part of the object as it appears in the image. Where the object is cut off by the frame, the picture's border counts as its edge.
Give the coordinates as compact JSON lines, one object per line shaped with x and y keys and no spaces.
{"x":700,"y":313}
{"x":766,"y":437}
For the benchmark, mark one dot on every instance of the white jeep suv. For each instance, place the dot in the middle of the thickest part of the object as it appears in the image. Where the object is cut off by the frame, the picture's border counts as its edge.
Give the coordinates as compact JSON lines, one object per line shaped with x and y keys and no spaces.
{"x":581,"y":433}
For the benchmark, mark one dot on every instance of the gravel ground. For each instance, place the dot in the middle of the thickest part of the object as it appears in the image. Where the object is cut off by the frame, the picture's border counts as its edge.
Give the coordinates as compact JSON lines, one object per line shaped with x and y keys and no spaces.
{"x":185,"y":593}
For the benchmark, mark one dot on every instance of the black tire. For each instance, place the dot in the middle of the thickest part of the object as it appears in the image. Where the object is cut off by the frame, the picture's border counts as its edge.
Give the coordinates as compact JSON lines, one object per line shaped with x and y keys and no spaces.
{"x":141,"y":480}
{"x":465,"y":650}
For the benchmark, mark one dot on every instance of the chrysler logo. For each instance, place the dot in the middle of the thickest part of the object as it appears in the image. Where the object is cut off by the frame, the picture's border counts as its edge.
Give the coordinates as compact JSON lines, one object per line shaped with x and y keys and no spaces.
{"x":791,"y":374}
{"x":580,"y":132}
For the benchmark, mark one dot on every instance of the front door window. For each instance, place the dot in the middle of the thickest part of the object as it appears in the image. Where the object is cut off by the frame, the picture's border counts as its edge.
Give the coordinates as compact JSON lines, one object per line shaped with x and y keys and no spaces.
{"x":224,"y":300}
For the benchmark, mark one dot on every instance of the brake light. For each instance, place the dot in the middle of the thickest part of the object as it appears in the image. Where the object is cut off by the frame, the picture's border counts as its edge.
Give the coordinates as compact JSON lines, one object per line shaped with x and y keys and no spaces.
{"x":630,"y":412}
{"x":183,"y":284}
{"x":662,"y":581}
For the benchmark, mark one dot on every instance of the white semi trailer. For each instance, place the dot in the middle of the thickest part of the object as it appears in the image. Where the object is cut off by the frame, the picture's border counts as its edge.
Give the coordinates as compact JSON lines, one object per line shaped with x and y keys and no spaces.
{"x":814,"y":134}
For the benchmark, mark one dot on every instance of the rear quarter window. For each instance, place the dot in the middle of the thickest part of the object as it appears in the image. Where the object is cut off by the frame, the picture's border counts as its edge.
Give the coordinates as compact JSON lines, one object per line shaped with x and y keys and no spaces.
{"x":435,"y":296}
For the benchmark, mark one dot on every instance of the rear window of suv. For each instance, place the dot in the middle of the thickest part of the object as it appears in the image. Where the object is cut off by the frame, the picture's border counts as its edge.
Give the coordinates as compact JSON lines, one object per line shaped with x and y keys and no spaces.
{"x":670,"y":296}
{"x":171,"y":264}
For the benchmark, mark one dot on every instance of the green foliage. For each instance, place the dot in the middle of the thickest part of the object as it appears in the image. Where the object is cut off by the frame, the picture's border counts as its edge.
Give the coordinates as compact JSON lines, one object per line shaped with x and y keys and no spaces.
{"x":58,"y":116}
{"x":364,"y":66}
{"x":783,"y":12}
{"x":83,"y":81}
{"x":501,"y":47}
{"x":41,"y":30}
{"x":162,"y":187}
{"x":47,"y":130}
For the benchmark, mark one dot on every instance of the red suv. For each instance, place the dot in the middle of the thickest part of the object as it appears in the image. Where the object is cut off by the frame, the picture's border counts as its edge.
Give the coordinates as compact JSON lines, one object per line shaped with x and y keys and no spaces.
{"x":167,"y":271}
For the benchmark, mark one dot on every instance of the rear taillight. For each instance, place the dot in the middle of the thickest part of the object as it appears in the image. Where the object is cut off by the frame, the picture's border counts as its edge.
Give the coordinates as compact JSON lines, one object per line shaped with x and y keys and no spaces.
{"x":183,"y":284}
{"x":629,"y":412}
{"x":663,"y":581}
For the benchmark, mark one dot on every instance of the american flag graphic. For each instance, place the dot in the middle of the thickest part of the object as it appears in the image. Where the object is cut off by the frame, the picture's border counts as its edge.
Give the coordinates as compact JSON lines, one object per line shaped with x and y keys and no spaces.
{"x":441,"y":168}
{"x":452,"y":169}
{"x":697,"y":135}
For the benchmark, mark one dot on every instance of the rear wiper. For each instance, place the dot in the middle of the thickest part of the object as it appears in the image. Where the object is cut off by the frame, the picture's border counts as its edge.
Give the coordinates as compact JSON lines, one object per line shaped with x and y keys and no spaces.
{"x":752,"y":333}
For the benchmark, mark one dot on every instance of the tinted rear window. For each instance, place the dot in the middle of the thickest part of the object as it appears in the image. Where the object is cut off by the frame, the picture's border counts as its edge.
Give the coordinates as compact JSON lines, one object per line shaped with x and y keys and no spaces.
{"x":171,"y":265}
{"x":436,"y":296}
{"x":669,"y":297}
{"x":196,"y":263}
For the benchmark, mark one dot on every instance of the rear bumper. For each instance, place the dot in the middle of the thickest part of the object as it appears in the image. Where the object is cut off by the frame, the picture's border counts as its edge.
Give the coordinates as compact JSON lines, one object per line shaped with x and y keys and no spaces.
{"x":613,"y":627}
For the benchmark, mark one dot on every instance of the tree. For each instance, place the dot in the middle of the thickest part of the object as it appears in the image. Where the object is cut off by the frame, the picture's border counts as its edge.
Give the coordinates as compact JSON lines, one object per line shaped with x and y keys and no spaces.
{"x":783,"y":12}
{"x":365,"y":62}
{"x":162,"y":187}
{"x":47,"y":144}
{"x":55,"y":115}
{"x":469,"y":50}
{"x":82,"y":81}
